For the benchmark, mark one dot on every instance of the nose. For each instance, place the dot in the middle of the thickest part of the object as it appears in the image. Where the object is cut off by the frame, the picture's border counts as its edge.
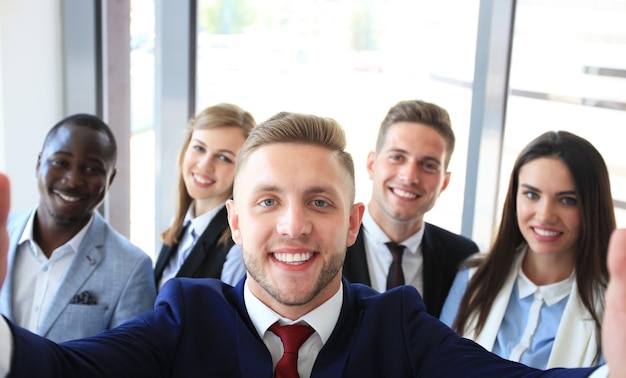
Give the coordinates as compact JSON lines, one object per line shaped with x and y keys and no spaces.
{"x":294,"y":222}
{"x":545,"y":211}
{"x":409,"y":172}
{"x":206,"y":163}
{"x":73,"y":177}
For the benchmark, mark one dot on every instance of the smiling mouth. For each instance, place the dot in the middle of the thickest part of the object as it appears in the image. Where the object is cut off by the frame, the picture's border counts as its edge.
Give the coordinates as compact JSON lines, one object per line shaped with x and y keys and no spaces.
{"x":201,"y":180}
{"x":404,"y":193}
{"x":67,"y":197}
{"x":546,"y":233}
{"x":293,"y":258}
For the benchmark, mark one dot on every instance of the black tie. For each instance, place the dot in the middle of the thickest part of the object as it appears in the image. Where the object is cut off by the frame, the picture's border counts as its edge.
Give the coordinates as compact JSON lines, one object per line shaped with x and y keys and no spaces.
{"x":395,"y":276}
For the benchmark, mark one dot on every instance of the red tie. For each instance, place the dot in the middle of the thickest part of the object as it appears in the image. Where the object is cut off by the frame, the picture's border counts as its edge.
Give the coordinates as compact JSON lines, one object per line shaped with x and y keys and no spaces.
{"x":292,"y":337}
{"x":395,"y":277}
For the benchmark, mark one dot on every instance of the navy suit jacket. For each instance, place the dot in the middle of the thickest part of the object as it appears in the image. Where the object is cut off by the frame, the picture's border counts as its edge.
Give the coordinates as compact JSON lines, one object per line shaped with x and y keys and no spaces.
{"x":200,"y":328}
{"x":206,"y":259}
{"x":442,"y":251}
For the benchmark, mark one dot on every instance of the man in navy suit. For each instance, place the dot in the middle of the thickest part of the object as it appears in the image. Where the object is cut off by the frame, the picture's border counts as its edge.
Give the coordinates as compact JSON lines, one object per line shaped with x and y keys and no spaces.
{"x":293,"y":213}
{"x":409,"y":170}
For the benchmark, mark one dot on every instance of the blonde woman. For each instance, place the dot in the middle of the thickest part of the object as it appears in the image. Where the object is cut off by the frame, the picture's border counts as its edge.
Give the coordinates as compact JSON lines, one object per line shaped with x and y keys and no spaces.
{"x":198,"y":242}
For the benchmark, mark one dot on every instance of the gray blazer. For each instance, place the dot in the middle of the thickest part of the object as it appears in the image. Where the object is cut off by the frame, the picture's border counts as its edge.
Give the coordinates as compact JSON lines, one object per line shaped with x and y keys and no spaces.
{"x":117,"y":274}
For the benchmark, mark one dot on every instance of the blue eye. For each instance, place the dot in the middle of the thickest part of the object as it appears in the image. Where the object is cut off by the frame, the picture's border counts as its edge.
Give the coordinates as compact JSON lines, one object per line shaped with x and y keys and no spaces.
{"x":320,"y":203}
{"x":268,"y":202}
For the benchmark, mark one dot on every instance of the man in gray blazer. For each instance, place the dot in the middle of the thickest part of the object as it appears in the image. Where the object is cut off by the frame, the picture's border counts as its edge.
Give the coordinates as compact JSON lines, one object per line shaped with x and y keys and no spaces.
{"x":70,"y":274}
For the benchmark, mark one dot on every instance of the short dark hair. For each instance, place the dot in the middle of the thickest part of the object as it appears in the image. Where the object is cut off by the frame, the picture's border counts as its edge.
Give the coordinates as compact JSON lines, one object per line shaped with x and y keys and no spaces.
{"x":419,"y":111}
{"x":85,"y":120}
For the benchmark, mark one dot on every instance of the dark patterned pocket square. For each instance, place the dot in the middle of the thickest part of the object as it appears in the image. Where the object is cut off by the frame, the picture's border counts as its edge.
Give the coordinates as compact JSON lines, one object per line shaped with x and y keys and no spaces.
{"x":84,"y":298}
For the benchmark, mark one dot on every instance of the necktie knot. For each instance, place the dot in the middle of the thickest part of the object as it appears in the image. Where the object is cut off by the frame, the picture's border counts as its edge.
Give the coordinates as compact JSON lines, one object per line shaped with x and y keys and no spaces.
{"x":395,"y":277}
{"x":292,"y":336}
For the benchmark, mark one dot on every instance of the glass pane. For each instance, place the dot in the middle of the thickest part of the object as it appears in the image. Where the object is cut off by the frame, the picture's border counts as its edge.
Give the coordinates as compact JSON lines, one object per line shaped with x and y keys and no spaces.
{"x":142,"y":160}
{"x":346,"y":59}
{"x":568,"y":73}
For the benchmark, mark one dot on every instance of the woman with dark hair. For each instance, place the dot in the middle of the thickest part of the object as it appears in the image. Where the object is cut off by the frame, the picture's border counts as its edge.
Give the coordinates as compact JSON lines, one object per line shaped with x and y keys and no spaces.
{"x":537,"y":296}
{"x":198,"y":242}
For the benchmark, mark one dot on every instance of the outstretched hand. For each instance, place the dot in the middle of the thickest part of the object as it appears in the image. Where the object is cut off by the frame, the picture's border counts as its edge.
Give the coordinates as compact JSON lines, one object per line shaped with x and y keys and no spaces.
{"x":5,"y":204}
{"x":614,"y":326}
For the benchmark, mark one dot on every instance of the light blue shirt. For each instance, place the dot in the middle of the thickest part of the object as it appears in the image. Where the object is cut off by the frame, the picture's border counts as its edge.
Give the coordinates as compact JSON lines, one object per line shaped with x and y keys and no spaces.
{"x":516,"y":317}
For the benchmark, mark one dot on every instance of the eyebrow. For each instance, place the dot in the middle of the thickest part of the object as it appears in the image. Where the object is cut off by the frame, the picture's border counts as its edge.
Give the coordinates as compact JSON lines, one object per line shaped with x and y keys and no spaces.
{"x":403,"y":151}
{"x":308,"y":191}
{"x":88,"y":158}
{"x":563,"y":193}
{"x":222,"y":151}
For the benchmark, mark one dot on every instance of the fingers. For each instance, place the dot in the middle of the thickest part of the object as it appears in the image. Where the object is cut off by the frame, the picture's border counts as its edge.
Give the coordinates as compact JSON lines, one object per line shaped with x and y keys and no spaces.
{"x":617,"y":255}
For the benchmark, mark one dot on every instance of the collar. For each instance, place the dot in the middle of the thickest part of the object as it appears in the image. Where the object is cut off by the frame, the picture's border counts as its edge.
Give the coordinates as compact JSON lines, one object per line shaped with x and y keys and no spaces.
{"x":200,"y":223}
{"x":378,"y":236}
{"x":73,"y":243}
{"x":551,"y":293}
{"x":323,"y":318}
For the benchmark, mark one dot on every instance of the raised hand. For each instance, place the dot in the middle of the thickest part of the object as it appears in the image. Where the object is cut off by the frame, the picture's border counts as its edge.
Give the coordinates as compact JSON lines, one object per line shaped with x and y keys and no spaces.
{"x":614,"y":326}
{"x":5,"y":204}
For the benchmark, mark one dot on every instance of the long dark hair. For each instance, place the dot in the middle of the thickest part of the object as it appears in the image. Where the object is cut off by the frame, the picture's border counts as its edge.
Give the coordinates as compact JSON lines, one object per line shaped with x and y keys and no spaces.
{"x":595,"y":203}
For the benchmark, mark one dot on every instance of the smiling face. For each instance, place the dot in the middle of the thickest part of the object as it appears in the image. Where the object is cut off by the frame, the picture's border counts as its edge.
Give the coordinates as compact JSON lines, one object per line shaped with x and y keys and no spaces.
{"x":74,"y":171}
{"x":548,"y":214}
{"x":294,"y":217}
{"x":209,"y":165}
{"x":408,"y":175}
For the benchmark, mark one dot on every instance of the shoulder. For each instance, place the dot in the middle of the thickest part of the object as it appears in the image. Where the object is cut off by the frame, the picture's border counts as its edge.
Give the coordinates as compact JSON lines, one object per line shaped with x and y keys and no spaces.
{"x":449,"y":238}
{"x":117,"y":243}
{"x":18,"y":219}
{"x":364,"y":298}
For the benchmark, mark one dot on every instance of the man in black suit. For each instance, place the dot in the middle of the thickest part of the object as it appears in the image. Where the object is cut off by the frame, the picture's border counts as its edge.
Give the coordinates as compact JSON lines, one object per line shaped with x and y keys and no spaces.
{"x":409,"y":170}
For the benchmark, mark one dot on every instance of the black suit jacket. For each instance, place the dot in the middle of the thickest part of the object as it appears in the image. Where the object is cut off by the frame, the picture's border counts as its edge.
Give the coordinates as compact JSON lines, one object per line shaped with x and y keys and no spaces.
{"x":206,"y":259}
{"x":443,"y":252}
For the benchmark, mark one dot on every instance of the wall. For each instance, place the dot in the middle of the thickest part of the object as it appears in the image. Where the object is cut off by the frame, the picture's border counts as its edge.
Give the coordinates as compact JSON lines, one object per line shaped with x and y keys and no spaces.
{"x":30,"y":89}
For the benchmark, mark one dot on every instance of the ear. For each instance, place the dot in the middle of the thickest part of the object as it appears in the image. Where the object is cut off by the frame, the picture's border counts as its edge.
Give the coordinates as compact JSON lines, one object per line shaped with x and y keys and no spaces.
{"x":446,"y":181}
{"x":38,"y":164}
{"x":371,"y":158}
{"x":356,"y":215}
{"x":112,"y":176}
{"x":233,"y":221}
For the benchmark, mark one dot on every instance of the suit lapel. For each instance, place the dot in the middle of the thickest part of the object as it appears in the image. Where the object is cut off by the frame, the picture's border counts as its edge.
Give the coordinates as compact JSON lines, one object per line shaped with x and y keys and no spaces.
{"x":165,"y":255}
{"x":205,"y":245}
{"x":85,"y":261}
{"x":575,"y":342}
{"x":256,"y":358}
{"x":16,"y":231}
{"x":355,"y":266}
{"x":333,"y":358}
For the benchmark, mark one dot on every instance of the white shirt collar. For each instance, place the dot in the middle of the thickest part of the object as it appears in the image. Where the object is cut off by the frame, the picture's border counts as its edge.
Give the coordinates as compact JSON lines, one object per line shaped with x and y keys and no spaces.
{"x":375,"y":233}
{"x":323,"y":318}
{"x":551,"y":293}
{"x":201,"y":222}
{"x":73,"y":243}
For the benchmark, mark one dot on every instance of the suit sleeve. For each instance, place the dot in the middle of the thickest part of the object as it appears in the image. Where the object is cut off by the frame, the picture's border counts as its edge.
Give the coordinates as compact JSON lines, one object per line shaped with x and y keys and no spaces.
{"x":439,"y":352}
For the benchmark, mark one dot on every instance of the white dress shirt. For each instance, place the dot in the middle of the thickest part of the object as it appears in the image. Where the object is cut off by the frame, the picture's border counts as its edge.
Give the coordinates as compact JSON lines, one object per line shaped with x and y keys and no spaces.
{"x":322,"y":319}
{"x":379,"y":258}
{"x":37,"y":277}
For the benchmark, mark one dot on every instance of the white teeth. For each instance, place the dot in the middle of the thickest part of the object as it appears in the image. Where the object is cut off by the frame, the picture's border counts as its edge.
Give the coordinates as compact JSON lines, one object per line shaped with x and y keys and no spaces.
{"x":293,"y":258}
{"x":404,"y":194}
{"x":546,"y":233}
{"x":202,"y":180}
{"x":68,"y":198}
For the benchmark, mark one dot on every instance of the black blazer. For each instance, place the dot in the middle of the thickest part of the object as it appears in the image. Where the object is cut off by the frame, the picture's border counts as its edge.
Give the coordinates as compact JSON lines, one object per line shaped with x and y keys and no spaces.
{"x":442,"y":251}
{"x":205,"y":259}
